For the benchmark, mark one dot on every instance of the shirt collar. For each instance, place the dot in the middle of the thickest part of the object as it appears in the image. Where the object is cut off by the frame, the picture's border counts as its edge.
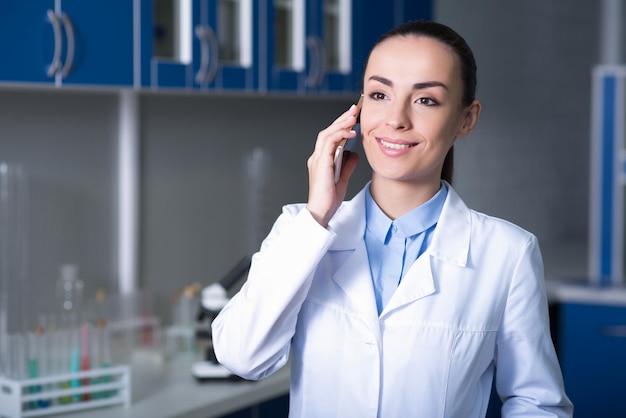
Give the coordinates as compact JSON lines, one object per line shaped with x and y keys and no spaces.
{"x":412,"y":223}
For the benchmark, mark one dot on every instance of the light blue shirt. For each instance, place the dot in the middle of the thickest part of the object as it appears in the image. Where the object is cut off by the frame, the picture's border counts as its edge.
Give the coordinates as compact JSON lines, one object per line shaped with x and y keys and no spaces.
{"x":393,"y":245}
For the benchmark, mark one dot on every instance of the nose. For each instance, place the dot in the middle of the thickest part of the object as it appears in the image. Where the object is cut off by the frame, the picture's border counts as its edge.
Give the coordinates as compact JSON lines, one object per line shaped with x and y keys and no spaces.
{"x":398,"y":116}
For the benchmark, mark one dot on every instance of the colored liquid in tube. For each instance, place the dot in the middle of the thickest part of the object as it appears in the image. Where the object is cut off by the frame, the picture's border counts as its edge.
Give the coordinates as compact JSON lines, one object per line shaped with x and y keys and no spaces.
{"x":84,"y":355}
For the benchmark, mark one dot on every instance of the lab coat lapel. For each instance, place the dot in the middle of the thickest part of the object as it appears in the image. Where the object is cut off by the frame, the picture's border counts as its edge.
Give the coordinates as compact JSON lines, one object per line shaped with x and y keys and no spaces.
{"x":450,"y":244}
{"x":354,"y":276}
{"x":417,"y":283}
{"x":355,"y":280}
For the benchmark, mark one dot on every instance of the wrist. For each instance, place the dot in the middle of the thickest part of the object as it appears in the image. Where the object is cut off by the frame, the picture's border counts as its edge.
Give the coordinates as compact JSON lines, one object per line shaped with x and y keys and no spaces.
{"x":318,"y":216}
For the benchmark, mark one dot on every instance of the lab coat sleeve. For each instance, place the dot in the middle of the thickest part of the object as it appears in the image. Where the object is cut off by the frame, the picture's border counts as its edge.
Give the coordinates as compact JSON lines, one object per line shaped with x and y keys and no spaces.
{"x":528,"y":376}
{"x":252,"y":334}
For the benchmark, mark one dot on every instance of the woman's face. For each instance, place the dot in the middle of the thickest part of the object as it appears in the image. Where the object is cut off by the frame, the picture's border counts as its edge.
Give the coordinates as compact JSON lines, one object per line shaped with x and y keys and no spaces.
{"x":412,"y":109}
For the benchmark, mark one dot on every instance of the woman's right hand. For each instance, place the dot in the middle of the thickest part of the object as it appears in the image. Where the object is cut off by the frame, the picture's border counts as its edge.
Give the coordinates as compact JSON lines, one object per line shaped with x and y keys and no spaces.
{"x":324,"y":195}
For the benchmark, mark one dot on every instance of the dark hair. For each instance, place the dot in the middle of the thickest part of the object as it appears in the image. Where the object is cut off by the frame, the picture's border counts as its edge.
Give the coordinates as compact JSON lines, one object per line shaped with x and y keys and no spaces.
{"x":447,"y":36}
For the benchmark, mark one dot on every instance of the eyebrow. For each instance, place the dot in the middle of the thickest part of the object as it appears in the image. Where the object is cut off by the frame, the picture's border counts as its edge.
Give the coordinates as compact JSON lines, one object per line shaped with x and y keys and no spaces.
{"x":416,"y":86}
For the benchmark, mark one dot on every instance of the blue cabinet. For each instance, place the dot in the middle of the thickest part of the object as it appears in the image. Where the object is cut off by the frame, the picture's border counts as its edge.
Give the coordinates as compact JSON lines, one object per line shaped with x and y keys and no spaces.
{"x":592,"y":352}
{"x":293,"y":46}
{"x":199,"y":44}
{"x":66,"y":42}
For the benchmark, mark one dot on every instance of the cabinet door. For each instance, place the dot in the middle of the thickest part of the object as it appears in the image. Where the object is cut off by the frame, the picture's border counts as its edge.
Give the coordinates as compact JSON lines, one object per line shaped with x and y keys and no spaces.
{"x":73,"y":41}
{"x":233,"y":52}
{"x":27,"y":41}
{"x":330,"y":59}
{"x":285,"y":42}
{"x":169,"y":43}
{"x":199,"y":44}
{"x":592,"y":343}
{"x":100,"y":36}
{"x":310,"y":46}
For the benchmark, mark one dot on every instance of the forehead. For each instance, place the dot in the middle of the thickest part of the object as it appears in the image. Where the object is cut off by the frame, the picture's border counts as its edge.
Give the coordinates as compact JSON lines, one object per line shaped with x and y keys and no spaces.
{"x":414,"y":57}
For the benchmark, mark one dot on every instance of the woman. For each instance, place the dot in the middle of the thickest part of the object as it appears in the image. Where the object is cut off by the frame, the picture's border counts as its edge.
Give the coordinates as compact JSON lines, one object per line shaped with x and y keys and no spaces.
{"x":401,"y":302}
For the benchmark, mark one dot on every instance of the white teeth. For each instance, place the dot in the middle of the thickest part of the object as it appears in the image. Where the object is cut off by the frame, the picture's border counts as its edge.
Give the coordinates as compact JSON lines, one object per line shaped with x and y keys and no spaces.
{"x":395,"y":146}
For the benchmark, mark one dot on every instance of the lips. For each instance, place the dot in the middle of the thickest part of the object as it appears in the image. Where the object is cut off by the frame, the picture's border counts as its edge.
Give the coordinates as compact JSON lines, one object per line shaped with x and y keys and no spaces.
{"x":396,"y":145}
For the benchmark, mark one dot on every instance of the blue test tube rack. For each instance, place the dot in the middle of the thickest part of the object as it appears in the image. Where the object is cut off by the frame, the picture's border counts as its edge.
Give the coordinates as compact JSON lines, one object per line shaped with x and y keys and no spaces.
{"x":106,"y":386}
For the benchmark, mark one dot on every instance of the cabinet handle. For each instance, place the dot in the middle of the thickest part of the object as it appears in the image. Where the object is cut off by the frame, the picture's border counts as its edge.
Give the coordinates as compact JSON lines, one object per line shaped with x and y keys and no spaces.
{"x":209,"y":55}
{"x":313,"y":75}
{"x":614,"y":331}
{"x":322,"y":61}
{"x":69,"y":56}
{"x":214,"y":61}
{"x":204,"y":54}
{"x":56,"y":58}
{"x":318,"y":62}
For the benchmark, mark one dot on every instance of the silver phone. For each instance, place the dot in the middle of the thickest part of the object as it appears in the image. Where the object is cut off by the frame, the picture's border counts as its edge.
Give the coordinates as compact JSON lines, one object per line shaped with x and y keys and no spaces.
{"x":347,"y":144}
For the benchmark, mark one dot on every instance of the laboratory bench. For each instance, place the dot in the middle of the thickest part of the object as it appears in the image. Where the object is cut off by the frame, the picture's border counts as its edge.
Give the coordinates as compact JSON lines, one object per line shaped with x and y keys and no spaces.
{"x":168,"y":390}
{"x":588,"y":327}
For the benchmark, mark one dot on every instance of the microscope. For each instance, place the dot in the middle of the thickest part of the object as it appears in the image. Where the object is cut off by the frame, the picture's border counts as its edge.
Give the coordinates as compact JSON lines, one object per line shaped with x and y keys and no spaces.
{"x":212,"y":299}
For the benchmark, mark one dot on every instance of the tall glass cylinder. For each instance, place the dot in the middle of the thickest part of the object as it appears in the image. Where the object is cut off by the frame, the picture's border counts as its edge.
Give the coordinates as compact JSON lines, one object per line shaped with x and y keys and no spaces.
{"x":259,"y":196}
{"x":13,"y":255}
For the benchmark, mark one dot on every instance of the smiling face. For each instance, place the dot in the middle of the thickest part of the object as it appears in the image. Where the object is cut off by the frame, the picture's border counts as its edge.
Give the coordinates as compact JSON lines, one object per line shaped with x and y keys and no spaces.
{"x":412,"y":110}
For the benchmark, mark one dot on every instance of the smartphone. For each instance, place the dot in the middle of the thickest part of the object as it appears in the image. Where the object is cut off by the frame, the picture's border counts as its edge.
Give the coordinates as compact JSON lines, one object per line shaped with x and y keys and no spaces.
{"x":347,"y":144}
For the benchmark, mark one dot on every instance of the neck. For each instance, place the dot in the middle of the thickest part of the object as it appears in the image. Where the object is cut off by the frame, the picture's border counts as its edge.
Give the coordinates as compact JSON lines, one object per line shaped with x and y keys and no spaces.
{"x":395,"y":198}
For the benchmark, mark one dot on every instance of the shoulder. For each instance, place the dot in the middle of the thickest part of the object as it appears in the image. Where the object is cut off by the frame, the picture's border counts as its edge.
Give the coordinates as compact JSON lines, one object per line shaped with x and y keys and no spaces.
{"x":480,"y":231}
{"x":482,"y":223}
{"x":498,"y":227}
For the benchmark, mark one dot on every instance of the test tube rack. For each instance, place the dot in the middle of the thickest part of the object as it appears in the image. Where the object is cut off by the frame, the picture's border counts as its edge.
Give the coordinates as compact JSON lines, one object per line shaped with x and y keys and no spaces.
{"x":52,"y":395}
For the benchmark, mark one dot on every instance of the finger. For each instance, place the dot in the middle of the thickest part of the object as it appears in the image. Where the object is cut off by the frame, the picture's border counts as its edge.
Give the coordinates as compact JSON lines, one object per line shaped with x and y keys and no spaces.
{"x":331,"y":137}
{"x":352,"y":111}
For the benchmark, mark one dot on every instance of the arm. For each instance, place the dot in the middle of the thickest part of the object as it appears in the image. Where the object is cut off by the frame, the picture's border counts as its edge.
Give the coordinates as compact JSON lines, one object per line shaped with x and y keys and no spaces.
{"x":252,"y":334}
{"x":528,"y":376}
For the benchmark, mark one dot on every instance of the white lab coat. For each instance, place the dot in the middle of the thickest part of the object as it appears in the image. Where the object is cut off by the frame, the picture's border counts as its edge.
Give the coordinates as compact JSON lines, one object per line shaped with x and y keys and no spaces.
{"x":474,"y":300}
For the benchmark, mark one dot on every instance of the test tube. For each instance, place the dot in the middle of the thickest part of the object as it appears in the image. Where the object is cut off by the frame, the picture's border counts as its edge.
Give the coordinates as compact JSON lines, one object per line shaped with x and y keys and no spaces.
{"x":84,"y":354}
{"x":101,"y":354}
{"x":43,"y":342}
{"x":70,"y":294}
{"x":47,"y":352}
{"x":75,"y":358}
{"x":104,"y":344}
{"x":62,"y":366}
{"x":188,"y":306}
{"x":34,"y":353}
{"x":16,"y":356}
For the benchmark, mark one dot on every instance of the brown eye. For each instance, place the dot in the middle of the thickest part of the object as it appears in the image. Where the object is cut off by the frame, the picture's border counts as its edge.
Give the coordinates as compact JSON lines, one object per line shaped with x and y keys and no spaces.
{"x":427,"y":101}
{"x":378,"y":96}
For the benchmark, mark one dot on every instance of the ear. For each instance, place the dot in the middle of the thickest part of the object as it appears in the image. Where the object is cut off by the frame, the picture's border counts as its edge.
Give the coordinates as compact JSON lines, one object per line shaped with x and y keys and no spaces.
{"x":470,"y":118}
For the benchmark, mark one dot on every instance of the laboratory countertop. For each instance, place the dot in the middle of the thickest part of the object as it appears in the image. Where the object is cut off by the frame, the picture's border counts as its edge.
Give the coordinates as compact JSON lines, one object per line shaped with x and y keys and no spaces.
{"x":583,"y":291}
{"x":170,"y":391}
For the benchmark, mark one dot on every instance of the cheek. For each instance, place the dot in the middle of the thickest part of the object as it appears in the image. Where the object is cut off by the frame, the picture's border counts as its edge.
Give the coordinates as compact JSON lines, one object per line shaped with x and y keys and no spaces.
{"x":444,"y":129}
{"x":366,"y":126}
